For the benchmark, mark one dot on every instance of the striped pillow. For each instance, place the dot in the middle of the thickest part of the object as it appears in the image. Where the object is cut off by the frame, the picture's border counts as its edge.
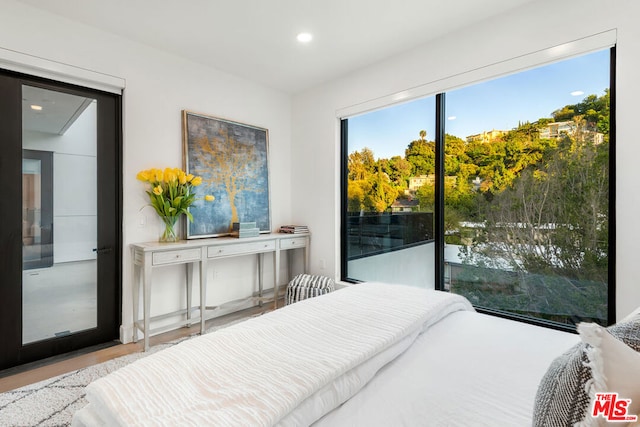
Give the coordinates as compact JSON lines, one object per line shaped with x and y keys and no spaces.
{"x":562,"y":399}
{"x":305,"y":286}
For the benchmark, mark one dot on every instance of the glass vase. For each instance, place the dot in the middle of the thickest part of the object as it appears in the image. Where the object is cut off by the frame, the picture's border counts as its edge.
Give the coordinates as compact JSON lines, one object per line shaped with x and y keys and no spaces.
{"x":169,"y":233}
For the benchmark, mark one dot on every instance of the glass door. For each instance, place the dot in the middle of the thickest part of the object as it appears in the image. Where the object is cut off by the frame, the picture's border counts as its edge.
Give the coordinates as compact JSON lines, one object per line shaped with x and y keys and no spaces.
{"x":59,"y":280}
{"x":62,"y":164}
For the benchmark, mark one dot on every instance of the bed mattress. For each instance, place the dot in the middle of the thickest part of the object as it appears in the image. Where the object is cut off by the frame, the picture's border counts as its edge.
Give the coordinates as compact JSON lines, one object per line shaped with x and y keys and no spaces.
{"x":469,"y":369}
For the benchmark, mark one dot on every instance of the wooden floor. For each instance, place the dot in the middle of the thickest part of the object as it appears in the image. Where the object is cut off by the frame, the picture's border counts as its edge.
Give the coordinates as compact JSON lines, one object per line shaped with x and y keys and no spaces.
{"x":69,"y":364}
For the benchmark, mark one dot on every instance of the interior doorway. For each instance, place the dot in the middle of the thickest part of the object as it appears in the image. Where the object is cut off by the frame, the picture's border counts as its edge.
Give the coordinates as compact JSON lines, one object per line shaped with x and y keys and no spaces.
{"x":61,"y":287}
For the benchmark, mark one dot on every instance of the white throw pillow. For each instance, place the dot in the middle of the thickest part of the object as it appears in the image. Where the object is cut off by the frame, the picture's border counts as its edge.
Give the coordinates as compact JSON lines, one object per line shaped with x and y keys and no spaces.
{"x":615,"y":368}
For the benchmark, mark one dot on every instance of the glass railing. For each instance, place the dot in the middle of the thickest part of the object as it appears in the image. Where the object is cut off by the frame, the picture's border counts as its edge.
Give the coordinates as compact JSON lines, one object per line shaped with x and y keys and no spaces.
{"x":372,"y":233}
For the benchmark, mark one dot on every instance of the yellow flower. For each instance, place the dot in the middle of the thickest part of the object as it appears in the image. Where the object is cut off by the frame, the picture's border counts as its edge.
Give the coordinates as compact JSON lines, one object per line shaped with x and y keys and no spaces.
{"x":143,"y":176}
{"x":170,"y":175}
{"x":172,"y":191}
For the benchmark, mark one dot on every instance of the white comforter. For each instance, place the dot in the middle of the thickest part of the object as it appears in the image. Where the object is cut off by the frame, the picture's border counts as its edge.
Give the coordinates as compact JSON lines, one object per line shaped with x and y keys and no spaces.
{"x":288,"y":367}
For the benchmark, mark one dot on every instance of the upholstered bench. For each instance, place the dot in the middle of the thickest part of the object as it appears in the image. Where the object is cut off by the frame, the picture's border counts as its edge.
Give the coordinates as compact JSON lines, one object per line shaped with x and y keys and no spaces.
{"x":305,"y":286}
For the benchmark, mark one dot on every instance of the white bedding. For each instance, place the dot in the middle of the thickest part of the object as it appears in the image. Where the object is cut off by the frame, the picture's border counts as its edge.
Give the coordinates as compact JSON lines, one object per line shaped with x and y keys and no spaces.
{"x":290,"y":366}
{"x":469,"y":369}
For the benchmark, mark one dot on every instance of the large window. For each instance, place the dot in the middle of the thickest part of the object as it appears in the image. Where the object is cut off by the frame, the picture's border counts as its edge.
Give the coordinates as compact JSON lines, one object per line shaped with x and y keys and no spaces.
{"x":507,"y":202}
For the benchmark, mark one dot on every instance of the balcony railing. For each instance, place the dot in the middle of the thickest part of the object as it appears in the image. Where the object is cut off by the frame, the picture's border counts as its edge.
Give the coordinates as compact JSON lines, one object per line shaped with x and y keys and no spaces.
{"x":375,"y":233}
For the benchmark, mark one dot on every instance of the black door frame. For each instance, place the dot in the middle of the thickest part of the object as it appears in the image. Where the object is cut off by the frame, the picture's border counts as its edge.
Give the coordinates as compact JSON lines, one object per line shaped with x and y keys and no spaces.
{"x":109,"y":227}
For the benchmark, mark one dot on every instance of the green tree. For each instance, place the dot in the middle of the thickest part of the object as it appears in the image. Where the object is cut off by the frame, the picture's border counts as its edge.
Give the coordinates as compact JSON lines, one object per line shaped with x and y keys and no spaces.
{"x":399,"y":171}
{"x":382,"y":194}
{"x":361,"y":164}
{"x":421,"y":155}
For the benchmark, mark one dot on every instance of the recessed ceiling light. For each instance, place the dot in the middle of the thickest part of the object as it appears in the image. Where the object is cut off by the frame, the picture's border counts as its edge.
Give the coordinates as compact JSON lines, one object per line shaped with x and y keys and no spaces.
{"x":304,"y":37}
{"x":36,"y":107}
{"x":577,"y":93}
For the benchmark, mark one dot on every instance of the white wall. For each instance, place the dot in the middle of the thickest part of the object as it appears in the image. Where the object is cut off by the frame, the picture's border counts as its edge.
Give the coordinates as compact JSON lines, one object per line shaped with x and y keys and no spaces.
{"x":158,"y":87}
{"x":536,"y":26}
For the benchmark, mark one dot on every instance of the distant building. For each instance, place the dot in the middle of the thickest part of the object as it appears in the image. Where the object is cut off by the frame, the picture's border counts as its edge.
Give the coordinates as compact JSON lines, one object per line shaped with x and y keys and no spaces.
{"x":557,"y":130}
{"x":416,"y":182}
{"x":487,"y":136}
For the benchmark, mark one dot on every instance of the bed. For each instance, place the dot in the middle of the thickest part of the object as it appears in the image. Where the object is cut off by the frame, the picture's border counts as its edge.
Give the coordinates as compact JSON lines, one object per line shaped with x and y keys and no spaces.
{"x":372,"y":354}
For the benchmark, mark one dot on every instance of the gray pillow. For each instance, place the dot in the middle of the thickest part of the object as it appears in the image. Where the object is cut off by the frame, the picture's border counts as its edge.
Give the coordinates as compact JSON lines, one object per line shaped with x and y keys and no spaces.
{"x":561,"y":399}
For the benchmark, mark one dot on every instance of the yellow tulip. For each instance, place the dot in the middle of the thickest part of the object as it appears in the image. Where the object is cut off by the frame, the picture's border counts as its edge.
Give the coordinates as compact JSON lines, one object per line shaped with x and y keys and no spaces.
{"x":157,"y":190}
{"x":190,"y":177}
{"x":143,"y":176}
{"x":158,"y":175}
{"x":196,"y":181}
{"x":209,"y":198}
{"x":169,"y":175}
{"x":182,"y":178}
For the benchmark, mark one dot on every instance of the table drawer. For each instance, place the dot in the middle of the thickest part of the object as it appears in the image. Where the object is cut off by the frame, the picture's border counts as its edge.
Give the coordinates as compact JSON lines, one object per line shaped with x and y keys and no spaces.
{"x":241,"y":248}
{"x":176,"y":257}
{"x":296,"y":242}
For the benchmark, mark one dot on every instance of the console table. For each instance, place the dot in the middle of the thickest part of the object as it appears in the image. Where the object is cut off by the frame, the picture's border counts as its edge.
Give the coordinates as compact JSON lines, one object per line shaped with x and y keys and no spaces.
{"x":147,"y":257}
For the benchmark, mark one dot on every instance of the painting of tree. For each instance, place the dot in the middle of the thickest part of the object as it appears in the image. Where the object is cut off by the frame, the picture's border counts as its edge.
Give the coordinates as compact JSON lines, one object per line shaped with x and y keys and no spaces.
{"x":232,"y":160}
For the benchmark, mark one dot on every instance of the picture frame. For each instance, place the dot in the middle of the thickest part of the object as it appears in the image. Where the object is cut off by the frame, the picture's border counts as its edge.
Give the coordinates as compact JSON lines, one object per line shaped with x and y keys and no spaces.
{"x":233,"y":160}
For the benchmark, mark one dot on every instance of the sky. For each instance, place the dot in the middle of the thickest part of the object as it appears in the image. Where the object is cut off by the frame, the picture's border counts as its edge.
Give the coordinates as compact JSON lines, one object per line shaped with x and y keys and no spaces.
{"x":496,"y":104}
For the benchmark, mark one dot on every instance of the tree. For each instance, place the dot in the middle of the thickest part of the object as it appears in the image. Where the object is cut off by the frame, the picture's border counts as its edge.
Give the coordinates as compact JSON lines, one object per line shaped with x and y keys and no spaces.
{"x":361,"y":164}
{"x":356,"y":193}
{"x":421,"y":154}
{"x":382,"y":194}
{"x":553,"y":220}
{"x":399,"y":171}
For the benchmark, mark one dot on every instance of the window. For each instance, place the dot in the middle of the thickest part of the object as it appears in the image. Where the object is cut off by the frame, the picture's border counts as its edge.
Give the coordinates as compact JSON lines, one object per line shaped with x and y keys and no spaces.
{"x":519,"y":215}
{"x":390,"y":194}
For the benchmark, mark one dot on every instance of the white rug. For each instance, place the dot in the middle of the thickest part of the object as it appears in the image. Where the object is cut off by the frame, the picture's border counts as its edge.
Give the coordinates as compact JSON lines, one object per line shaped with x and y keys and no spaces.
{"x":53,"y":402}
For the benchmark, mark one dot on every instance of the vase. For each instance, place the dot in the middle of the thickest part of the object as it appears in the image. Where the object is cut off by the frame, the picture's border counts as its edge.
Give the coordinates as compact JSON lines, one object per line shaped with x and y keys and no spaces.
{"x":169,"y":233}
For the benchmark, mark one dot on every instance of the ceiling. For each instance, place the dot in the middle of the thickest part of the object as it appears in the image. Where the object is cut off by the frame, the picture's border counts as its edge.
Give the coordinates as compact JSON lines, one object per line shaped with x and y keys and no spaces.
{"x":256,"y":39}
{"x":49,"y":111}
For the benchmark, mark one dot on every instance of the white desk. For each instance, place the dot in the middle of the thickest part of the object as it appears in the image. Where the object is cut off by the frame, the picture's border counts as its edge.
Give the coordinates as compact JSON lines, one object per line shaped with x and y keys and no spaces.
{"x":148,"y":256}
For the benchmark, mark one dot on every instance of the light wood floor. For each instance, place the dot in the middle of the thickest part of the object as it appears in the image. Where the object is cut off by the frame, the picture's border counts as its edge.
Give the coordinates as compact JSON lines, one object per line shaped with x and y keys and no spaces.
{"x":72,"y":363}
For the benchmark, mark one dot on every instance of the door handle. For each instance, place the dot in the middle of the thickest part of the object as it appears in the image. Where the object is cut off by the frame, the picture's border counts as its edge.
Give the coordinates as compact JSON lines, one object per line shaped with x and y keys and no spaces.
{"x":102,"y":250}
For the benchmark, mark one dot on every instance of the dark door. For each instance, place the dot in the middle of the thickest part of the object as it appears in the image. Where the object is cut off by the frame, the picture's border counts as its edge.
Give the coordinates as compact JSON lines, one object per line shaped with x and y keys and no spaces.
{"x":60,"y":210}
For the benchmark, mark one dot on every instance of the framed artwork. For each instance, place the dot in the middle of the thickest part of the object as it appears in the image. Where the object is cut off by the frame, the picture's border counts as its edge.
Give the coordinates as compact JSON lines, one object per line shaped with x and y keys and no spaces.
{"x":232,"y":159}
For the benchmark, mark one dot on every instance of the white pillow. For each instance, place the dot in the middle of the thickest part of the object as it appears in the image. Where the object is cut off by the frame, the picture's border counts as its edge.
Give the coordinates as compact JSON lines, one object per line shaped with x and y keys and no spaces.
{"x":631,"y":315}
{"x":615,"y":367}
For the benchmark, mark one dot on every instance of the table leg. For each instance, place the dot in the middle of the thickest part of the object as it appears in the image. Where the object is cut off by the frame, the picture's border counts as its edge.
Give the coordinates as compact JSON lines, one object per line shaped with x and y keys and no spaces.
{"x":135,"y":287}
{"x":146,"y":296}
{"x":203,"y":295}
{"x":189,"y":267}
{"x":260,"y":278}
{"x":276,"y":277}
